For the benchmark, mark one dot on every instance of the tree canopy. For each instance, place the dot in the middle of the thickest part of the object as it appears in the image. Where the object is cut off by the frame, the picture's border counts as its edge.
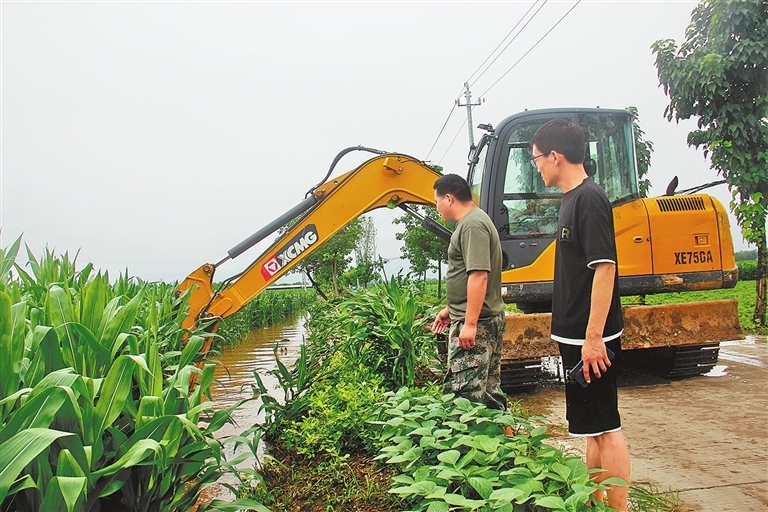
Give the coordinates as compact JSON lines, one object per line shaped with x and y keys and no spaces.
{"x":423,"y":250}
{"x":720,"y":76}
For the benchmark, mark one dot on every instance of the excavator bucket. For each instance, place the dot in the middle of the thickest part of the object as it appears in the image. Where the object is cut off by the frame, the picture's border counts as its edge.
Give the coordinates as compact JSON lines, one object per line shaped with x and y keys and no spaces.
{"x":674,"y":340}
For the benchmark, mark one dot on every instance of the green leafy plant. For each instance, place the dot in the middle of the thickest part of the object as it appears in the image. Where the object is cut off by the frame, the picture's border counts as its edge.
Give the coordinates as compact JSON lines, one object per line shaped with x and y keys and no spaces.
{"x":98,"y":410}
{"x":385,"y":330}
{"x":453,"y":455}
{"x":337,"y":414}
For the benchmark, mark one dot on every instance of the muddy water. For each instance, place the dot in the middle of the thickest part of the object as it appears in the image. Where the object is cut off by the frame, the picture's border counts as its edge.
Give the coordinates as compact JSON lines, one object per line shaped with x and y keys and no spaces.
{"x":234,"y":381}
{"x":256,"y":352}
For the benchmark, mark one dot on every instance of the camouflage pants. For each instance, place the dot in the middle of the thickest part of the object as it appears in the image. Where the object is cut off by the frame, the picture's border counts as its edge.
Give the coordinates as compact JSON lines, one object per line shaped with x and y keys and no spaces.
{"x":475,"y":374}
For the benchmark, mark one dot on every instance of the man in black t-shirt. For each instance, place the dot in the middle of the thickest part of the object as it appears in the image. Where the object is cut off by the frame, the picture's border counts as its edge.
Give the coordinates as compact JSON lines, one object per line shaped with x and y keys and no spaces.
{"x":586,"y":311}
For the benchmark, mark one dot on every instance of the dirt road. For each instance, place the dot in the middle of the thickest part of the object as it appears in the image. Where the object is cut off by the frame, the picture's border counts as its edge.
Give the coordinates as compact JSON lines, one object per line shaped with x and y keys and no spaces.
{"x":705,"y":437}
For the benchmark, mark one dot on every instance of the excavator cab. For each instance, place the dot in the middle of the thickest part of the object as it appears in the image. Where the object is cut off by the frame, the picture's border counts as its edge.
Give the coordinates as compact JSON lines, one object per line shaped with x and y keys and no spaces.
{"x":507,"y":185}
{"x":664,"y":244}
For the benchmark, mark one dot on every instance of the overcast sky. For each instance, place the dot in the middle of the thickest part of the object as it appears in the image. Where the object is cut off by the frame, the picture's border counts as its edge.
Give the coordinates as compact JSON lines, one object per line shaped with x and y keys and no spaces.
{"x":157,"y":135}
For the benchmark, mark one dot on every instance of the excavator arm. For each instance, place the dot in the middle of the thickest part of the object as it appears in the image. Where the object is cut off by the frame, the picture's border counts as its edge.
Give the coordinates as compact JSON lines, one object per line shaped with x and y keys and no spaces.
{"x":386,"y":180}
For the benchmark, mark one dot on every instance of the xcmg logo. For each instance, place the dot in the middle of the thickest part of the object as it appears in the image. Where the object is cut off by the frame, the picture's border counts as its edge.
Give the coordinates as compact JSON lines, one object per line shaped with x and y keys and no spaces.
{"x":290,"y":251}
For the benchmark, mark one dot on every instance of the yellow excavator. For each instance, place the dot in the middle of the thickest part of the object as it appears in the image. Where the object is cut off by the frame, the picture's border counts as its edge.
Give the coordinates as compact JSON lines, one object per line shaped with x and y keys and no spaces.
{"x":673,"y":243}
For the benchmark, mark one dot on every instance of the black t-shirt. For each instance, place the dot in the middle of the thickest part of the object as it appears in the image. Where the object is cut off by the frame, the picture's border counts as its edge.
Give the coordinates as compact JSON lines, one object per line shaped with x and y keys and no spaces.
{"x":585,"y":238}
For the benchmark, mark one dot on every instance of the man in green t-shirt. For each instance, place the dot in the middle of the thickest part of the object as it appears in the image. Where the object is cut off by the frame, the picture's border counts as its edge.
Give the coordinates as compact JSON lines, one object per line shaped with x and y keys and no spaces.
{"x":475,"y":310}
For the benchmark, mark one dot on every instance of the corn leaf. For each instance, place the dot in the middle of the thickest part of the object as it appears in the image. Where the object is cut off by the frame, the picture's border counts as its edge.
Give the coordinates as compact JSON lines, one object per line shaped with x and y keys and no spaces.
{"x":63,"y":494}
{"x":98,"y":357}
{"x":113,"y":393}
{"x":37,"y":412}
{"x":135,"y":455}
{"x":121,"y":322}
{"x":6,"y":340}
{"x":93,"y":303}
{"x":20,"y":450}
{"x":44,"y":344}
{"x":58,"y":307}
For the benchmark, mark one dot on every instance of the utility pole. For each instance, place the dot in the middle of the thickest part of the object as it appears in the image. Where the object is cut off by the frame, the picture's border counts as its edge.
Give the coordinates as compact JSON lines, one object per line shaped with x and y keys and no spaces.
{"x":469,"y":106}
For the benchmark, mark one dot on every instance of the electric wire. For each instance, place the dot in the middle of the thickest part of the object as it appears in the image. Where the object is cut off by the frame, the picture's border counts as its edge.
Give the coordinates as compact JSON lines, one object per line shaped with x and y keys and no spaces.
{"x":453,"y":108}
{"x":441,"y":130}
{"x":531,"y":49}
{"x":454,"y":140}
{"x":509,"y":43}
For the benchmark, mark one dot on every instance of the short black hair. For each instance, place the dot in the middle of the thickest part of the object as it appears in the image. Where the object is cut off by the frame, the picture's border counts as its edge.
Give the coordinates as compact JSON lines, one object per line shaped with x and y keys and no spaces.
{"x":455,"y":185}
{"x":563,"y":136}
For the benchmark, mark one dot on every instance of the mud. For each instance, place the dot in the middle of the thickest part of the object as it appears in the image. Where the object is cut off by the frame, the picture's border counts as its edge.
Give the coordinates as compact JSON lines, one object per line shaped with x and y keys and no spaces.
{"x":692,"y":323}
{"x":704,"y":437}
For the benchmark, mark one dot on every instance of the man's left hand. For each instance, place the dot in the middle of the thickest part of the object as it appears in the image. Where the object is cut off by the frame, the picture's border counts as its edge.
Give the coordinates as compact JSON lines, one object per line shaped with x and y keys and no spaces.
{"x":595,"y":358}
{"x":467,"y":336}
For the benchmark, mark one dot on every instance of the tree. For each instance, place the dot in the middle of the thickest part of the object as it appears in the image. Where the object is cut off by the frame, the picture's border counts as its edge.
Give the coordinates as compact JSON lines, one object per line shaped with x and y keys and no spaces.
{"x":720,"y":76}
{"x":367,"y":261}
{"x":423,"y":250}
{"x":329,"y":261}
{"x":643,"y":150}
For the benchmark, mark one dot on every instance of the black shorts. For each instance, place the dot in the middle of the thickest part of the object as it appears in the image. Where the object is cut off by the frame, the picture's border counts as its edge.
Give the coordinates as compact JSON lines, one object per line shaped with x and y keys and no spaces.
{"x":591,"y":410}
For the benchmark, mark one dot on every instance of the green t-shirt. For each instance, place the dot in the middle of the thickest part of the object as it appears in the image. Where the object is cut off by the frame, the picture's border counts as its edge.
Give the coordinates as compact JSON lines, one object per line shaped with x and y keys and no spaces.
{"x":474,"y":246}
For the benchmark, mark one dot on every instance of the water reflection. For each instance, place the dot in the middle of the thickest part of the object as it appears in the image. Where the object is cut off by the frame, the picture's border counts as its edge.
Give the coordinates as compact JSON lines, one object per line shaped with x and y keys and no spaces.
{"x":234,"y":373}
{"x":234,"y":378}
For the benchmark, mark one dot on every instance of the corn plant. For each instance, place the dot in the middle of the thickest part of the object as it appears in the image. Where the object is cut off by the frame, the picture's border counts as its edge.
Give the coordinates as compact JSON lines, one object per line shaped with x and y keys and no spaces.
{"x":97,"y":407}
{"x":385,"y":330}
{"x":454,"y":456}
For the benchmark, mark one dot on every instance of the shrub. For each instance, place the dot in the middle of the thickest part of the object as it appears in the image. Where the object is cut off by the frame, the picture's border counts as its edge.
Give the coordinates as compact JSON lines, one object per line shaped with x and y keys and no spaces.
{"x":747,"y":270}
{"x":454,"y":455}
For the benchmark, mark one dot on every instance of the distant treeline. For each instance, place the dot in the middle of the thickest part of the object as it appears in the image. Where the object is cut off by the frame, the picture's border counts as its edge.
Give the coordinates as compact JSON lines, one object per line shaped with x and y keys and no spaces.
{"x":746,"y":255}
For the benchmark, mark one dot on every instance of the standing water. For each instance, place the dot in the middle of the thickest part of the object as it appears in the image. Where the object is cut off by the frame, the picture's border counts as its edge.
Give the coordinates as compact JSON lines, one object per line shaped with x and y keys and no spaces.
{"x":234,"y":380}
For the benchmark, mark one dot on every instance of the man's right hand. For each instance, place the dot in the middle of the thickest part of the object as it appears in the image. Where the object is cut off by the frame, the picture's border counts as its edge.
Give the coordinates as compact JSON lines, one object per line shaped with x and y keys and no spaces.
{"x":442,"y":321}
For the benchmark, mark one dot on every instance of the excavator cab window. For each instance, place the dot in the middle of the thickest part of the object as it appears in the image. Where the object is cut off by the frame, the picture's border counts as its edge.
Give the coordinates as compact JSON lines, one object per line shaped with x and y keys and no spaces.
{"x":611,"y":154}
{"x":523,"y":208}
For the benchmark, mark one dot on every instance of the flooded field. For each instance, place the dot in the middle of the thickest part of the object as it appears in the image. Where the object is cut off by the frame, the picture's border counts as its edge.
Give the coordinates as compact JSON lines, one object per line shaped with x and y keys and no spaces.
{"x":234,"y":378}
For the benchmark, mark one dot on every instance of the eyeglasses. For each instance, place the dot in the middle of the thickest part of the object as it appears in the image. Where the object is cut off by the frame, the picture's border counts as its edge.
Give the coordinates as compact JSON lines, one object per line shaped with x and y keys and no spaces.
{"x":533,"y":159}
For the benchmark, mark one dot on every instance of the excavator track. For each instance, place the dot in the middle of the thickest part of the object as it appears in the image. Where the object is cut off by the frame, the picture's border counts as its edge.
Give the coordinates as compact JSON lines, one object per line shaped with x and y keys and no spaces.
{"x":674,"y":362}
{"x":519,"y":376}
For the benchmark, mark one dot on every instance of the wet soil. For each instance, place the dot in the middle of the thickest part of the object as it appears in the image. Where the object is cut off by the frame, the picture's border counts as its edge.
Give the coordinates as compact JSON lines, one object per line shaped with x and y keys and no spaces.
{"x":703,"y":437}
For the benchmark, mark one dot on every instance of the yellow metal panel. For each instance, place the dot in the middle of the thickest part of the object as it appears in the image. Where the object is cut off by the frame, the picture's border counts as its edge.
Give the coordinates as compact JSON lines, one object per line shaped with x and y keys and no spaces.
{"x":684,"y":234}
{"x":633,"y":239}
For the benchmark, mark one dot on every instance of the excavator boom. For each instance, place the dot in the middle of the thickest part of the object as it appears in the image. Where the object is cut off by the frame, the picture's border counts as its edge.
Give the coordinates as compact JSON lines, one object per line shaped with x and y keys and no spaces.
{"x":389,"y":180}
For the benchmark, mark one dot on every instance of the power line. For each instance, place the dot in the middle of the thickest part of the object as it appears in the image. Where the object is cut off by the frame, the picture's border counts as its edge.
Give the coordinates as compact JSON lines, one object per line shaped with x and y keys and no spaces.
{"x":441,"y":130}
{"x":531,"y":49}
{"x":509,"y":43}
{"x":454,"y":140}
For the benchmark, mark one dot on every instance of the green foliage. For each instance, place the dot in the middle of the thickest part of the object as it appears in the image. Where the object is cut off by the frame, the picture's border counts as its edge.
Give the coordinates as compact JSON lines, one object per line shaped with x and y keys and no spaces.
{"x":720,"y":76}
{"x":647,"y":497}
{"x":643,"y":151}
{"x":338,"y":411}
{"x":368,"y":263}
{"x":453,"y":454}
{"x":385,"y":330}
{"x":98,"y":410}
{"x":294,"y":384}
{"x":745,"y":255}
{"x":423,"y":250}
{"x":747,"y":270}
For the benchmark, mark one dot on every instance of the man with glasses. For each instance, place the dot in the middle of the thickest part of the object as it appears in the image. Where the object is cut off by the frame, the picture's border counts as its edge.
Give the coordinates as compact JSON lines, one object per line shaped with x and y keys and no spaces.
{"x":586,"y":311}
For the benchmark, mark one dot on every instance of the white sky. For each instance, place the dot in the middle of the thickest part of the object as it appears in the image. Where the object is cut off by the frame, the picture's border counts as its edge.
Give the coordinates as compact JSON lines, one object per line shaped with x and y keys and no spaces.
{"x":157,"y":135}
